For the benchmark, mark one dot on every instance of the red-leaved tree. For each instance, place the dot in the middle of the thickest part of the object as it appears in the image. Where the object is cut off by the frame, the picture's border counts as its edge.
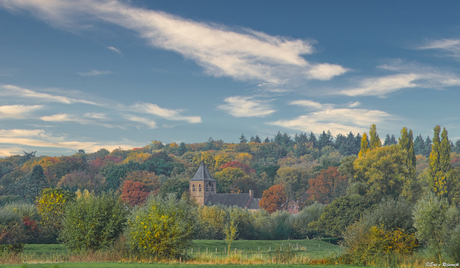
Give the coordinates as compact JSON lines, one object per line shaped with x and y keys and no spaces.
{"x":273,"y":198}
{"x":134,"y":193}
{"x":235,"y":164}
{"x":327,"y":186}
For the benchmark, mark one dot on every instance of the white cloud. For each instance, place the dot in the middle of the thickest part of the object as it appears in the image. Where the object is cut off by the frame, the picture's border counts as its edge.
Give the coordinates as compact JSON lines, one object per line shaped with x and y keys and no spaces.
{"x":243,"y":55}
{"x":94,"y":73}
{"x":114,"y":49}
{"x":18,"y":92}
{"x":77,"y":119}
{"x":151,"y":124}
{"x":449,"y":45}
{"x":240,"y":106}
{"x":17,"y":111}
{"x":383,"y":85}
{"x":154,"y":109}
{"x":312,"y":104}
{"x":95,"y":115}
{"x":39,"y":138}
{"x":336,"y":120}
{"x":354,"y":104}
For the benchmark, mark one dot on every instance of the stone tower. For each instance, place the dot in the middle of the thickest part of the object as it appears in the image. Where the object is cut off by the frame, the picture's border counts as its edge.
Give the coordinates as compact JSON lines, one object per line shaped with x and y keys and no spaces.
{"x":202,"y":185}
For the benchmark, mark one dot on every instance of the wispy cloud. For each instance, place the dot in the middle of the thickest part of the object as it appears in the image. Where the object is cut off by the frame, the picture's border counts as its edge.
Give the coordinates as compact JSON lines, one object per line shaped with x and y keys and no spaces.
{"x":312,"y":104}
{"x":115,"y":50}
{"x":154,"y":109}
{"x":336,"y":120}
{"x":96,"y":115}
{"x":244,"y":55}
{"x":39,"y":138}
{"x":449,"y":45}
{"x":94,"y":73}
{"x":60,"y":118}
{"x":17,"y":111}
{"x":354,"y":104}
{"x":240,"y":106}
{"x":151,"y":124}
{"x":15,"y":91}
{"x":409,"y":76}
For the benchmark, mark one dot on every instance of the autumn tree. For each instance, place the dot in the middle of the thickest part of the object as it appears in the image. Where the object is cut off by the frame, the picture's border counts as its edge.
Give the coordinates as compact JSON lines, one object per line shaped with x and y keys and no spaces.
{"x":134,"y":193}
{"x":364,"y":146}
{"x":374,"y":137}
{"x":411,"y":188}
{"x":226,"y":177}
{"x":380,"y":173}
{"x":273,"y":198}
{"x":51,"y":204}
{"x":327,"y":186}
{"x":235,"y":164}
{"x":440,"y":172}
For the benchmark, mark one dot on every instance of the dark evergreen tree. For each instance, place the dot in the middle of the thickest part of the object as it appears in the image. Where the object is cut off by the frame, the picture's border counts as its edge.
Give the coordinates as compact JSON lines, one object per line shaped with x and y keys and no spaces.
{"x":251,"y":139}
{"x":287,"y":142}
{"x":210,"y":145}
{"x":390,"y":140}
{"x":302,"y":138}
{"x":325,"y":139}
{"x":427,"y":149}
{"x":419,"y":145}
{"x":357,"y":147}
{"x":456,"y":149}
{"x":243,"y":139}
{"x":36,"y":182}
{"x":257,"y":139}
{"x":393,"y":140}
{"x":348,"y":146}
{"x":182,"y":149}
{"x":312,"y":140}
{"x":279,"y":138}
{"x":267,"y":140}
{"x":300,"y":149}
{"x":339,"y":139}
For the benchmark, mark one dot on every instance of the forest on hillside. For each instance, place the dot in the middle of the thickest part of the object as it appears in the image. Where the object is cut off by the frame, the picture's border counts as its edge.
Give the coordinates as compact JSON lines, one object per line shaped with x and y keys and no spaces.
{"x":302,"y":164}
{"x":390,"y":197}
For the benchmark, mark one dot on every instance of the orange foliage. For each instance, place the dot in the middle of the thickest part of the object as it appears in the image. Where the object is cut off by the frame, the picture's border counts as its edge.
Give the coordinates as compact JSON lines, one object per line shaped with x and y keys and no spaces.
{"x":236,"y":164}
{"x":327,"y":186}
{"x":148,"y":179}
{"x":134,"y":193}
{"x":273,"y":198}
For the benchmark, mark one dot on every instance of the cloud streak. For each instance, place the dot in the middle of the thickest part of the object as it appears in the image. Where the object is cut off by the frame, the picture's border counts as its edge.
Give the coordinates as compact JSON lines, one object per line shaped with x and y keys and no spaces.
{"x":244,"y":55}
{"x":151,"y":124}
{"x":169,"y":114}
{"x":94,"y":73}
{"x":17,"y":111}
{"x":240,"y":106}
{"x":115,"y":50}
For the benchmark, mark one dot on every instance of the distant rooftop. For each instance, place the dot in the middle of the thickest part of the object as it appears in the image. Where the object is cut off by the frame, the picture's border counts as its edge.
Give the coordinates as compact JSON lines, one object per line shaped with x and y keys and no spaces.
{"x":202,"y":174}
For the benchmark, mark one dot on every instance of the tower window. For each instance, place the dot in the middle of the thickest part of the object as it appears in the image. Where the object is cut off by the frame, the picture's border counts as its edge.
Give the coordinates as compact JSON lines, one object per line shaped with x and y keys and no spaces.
{"x":207,"y":188}
{"x":199,"y":187}
{"x":212,"y":187}
{"x":193,"y":187}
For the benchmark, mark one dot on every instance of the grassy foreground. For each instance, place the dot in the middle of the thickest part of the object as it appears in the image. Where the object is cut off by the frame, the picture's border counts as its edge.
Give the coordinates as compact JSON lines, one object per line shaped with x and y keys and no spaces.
{"x":145,"y":265}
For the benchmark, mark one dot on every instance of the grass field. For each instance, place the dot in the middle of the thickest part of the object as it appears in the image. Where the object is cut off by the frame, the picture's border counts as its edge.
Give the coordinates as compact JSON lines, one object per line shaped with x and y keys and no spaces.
{"x":140,"y":265}
{"x":310,"y":248}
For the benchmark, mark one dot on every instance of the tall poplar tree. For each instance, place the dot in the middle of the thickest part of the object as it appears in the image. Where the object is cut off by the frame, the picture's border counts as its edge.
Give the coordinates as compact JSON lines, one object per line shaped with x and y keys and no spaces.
{"x":440,"y":167}
{"x":364,"y":145}
{"x":374,"y":137}
{"x":411,"y":187}
{"x":36,"y":182}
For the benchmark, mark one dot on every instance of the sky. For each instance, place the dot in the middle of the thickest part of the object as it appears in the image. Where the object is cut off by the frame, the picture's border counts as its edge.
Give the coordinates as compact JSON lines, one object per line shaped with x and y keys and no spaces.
{"x":110,"y":73}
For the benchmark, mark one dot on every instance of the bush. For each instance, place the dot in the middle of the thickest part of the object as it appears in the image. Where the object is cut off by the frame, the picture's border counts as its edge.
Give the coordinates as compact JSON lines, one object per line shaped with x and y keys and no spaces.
{"x":300,"y":221}
{"x":93,"y":222}
{"x":18,"y":224}
{"x":163,"y":227}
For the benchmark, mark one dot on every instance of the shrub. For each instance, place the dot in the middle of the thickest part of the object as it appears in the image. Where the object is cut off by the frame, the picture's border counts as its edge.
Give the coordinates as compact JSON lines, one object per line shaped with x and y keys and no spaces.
{"x":93,"y":222}
{"x":300,"y":221}
{"x":163,"y":227}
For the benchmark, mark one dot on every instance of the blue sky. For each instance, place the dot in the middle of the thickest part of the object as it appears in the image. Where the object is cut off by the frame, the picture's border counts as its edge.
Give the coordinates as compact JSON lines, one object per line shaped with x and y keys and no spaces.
{"x":107,"y":74}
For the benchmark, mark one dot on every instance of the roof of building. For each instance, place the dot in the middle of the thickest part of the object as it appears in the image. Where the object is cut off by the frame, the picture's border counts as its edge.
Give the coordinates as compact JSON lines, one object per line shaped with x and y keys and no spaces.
{"x":254,"y":203}
{"x":240,"y":200}
{"x":202,"y":174}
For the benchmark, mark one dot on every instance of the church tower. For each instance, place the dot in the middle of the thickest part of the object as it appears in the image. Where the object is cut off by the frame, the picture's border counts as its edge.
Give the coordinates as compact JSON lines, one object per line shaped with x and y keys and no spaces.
{"x":202,"y":185}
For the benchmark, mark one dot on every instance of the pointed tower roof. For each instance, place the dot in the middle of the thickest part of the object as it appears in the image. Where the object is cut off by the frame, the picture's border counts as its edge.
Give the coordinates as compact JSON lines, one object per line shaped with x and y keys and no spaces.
{"x":202,"y":174}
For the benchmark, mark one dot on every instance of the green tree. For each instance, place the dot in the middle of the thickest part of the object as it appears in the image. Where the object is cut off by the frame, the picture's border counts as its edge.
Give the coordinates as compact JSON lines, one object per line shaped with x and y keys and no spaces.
{"x":93,"y":222}
{"x":162,"y":228}
{"x":411,"y":188}
{"x":231,"y":232}
{"x":340,"y":213}
{"x":440,"y":171}
{"x":380,"y":173}
{"x":36,"y":182}
{"x":434,"y":221}
{"x":374,"y":137}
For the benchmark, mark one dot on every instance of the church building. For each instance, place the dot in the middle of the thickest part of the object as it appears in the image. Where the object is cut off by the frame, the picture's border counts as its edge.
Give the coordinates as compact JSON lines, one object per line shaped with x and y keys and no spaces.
{"x":203,"y":188}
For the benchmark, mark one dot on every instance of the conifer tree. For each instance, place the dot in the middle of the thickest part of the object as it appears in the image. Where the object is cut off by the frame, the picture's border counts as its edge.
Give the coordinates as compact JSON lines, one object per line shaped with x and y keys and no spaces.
{"x":419,"y":145}
{"x":313,"y":140}
{"x":440,"y":166}
{"x":374,"y":137}
{"x":36,"y":182}
{"x":428,"y":145}
{"x":257,"y":139}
